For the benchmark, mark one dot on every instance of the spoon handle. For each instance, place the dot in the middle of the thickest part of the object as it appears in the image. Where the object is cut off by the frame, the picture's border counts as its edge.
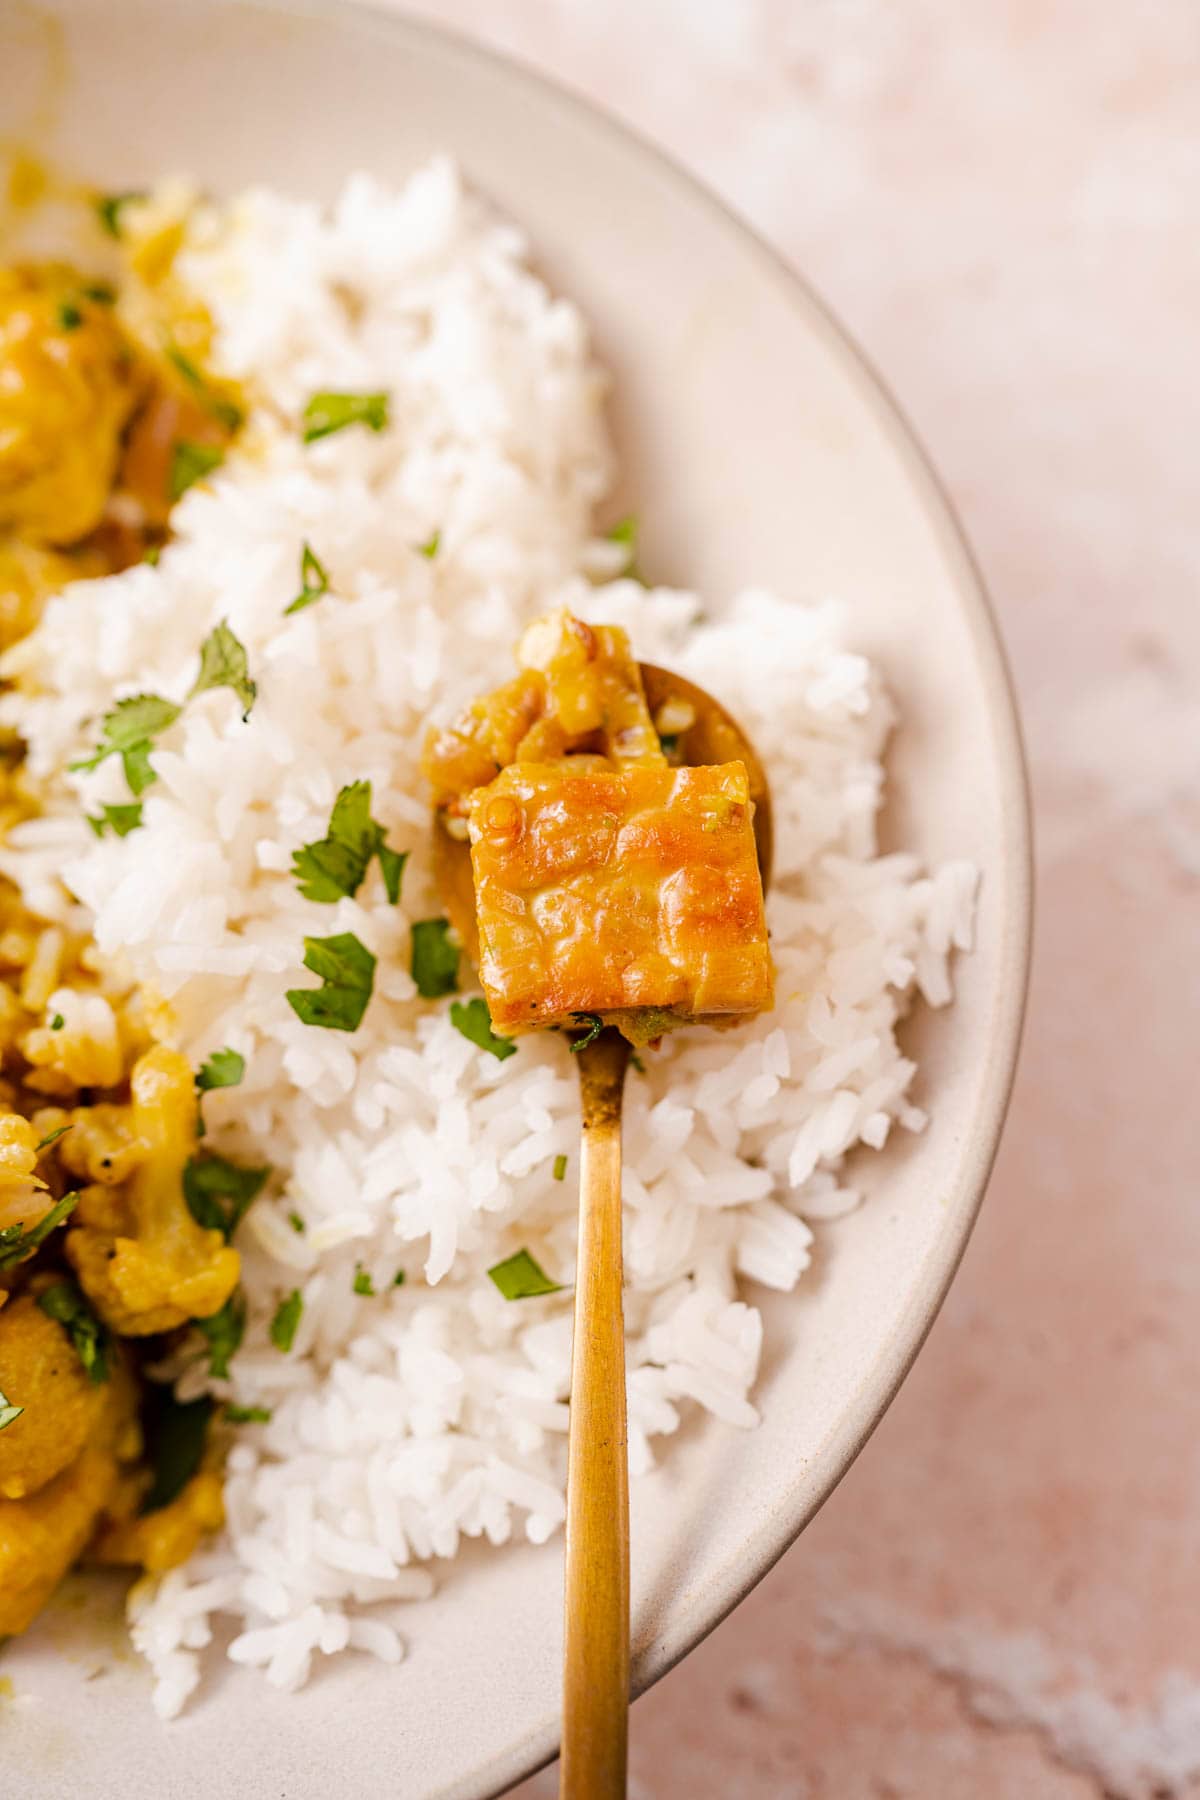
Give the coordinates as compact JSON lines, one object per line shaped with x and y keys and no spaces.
{"x":596,"y":1663}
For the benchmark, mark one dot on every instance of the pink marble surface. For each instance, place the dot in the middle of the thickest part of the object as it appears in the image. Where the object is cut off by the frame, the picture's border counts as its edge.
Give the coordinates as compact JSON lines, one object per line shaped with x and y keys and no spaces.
{"x":1000,"y":198}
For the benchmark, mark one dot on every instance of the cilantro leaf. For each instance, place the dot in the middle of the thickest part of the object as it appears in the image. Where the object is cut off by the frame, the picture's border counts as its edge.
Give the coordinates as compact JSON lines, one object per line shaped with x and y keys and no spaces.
{"x":432,"y":545}
{"x":129,"y":731}
{"x":297,"y":1223}
{"x":69,"y":316}
{"x":223,"y":664}
{"x":8,"y":1412}
{"x":362,"y":1283}
{"x":51,"y":1137}
{"x":16,"y":1243}
{"x":190,"y":463}
{"x":65,"y":1303}
{"x":347,"y":971}
{"x":108,"y":208}
{"x":399,"y":1278}
{"x":175,"y":1433}
{"x":224,"y":410}
{"x":248,"y":1415}
{"x":57,"y":1022}
{"x":218,"y":1191}
{"x":520,"y":1277}
{"x":224,"y":1331}
{"x":224,"y":1068}
{"x":625,"y":532}
{"x":314,"y":581}
{"x":434,"y":959}
{"x":287,"y":1318}
{"x":335,"y":865}
{"x":121,"y":819}
{"x":560,"y":1167}
{"x":329,"y":412}
{"x":473,"y":1019}
{"x":595,"y":1025}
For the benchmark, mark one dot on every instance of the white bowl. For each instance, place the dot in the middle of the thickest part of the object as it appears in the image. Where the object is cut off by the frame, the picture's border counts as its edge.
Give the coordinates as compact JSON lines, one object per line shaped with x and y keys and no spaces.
{"x":757,"y":445}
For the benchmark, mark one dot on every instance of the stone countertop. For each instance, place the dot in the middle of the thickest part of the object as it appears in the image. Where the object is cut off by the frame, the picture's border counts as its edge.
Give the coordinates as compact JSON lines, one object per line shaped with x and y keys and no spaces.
{"x":1001,"y":202}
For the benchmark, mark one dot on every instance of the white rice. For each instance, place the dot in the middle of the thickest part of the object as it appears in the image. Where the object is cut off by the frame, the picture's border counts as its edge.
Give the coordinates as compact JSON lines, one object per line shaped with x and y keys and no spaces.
{"x":404,"y":1422}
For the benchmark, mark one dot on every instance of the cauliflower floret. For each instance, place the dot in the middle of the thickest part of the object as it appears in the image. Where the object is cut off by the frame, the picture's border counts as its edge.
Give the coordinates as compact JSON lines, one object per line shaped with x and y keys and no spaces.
{"x":162,"y":1269}
{"x":24,"y":1196}
{"x":41,"y":1372}
{"x":67,"y":386}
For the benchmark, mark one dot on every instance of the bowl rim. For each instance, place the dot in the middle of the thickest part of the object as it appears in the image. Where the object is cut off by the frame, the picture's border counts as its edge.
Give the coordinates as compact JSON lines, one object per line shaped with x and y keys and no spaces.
{"x":763,"y":1548}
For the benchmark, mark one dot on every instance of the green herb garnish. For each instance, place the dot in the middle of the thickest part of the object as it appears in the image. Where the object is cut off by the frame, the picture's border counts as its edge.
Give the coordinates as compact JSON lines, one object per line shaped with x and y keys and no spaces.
{"x":218,"y":1191}
{"x":120,"y":819}
{"x":129,"y":731}
{"x":65,"y":1303}
{"x":175,"y":1433}
{"x":560,"y":1167}
{"x":287,"y":1318}
{"x":595,"y":1025}
{"x":8,"y":1412}
{"x":248,"y":1415}
{"x":109,"y":206}
{"x":57,"y":1022}
{"x":314,"y":581}
{"x":433,"y":960}
{"x":330,"y":412}
{"x":473,"y":1019}
{"x":191,"y":462}
{"x":16,"y":1243}
{"x":669,"y":743}
{"x":224,"y":1068}
{"x":297,"y":1223}
{"x":334,"y":866}
{"x":399,"y":1278}
{"x":223,"y":664}
{"x":102,"y":293}
{"x":625,"y":532}
{"x":224,"y":1331}
{"x":521,"y":1278}
{"x":347,"y":971}
{"x":431,"y":546}
{"x":224,"y":410}
{"x":69,"y":316}
{"x":52,"y":1137}
{"x":362,"y":1282}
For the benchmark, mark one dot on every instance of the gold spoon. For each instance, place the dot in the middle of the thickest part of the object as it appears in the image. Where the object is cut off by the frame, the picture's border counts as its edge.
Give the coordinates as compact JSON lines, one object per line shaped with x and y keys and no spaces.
{"x":596,"y":1647}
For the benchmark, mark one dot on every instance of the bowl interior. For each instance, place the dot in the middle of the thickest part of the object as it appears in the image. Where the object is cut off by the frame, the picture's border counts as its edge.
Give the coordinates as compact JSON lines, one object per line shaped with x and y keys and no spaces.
{"x":758,"y":448}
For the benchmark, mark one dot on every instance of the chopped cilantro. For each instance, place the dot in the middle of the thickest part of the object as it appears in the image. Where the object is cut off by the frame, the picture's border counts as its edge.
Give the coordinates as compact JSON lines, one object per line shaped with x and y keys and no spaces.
{"x":218,"y":1191}
{"x":595,"y":1025}
{"x":287,"y":1318}
{"x":224,"y":1331}
{"x":637,"y":1062}
{"x":120,"y":819}
{"x":69,"y":316}
{"x":57,"y":1022}
{"x":52,"y":1137}
{"x":347,"y":971}
{"x":297,"y":1223}
{"x":473,"y":1019}
{"x":223,"y":664}
{"x":432,"y":545}
{"x":8,"y":1412}
{"x":16,"y":1243}
{"x":520,"y":1277}
{"x":224,"y":1068}
{"x":314,"y":581}
{"x":560,"y":1167}
{"x":65,"y":1303}
{"x":109,"y":206}
{"x":102,"y":293}
{"x":335,"y":865}
{"x":175,"y":1432}
{"x":224,"y":410}
{"x":330,"y":412}
{"x":399,"y":1278}
{"x":625,"y":532}
{"x":151,"y":555}
{"x":191,"y":462}
{"x":248,"y":1415}
{"x":669,"y":742}
{"x":434,"y":958}
{"x":362,"y":1282}
{"x":129,"y":731}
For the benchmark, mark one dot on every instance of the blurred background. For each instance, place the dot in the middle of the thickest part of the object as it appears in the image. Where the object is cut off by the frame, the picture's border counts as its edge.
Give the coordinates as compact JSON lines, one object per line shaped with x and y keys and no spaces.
{"x":1001,"y":201}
